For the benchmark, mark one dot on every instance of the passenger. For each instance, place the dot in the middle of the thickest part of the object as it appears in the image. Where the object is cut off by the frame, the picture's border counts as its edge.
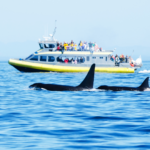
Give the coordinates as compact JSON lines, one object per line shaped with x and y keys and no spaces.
{"x":65,"y":46}
{"x":61,"y":46}
{"x":123,"y":58}
{"x":66,"y":60}
{"x":112,"y":58}
{"x":72,"y":42}
{"x":90,"y":45}
{"x":81,"y":60}
{"x":58,"y":47}
{"x":75,"y":61}
{"x":93,"y":46}
{"x":75,"y":46}
{"x":85,"y":45}
{"x":126,"y":59}
{"x":96,"y":47}
{"x":80,"y":45}
{"x":132,"y":65}
{"x":130,"y":59}
{"x":117,"y":60}
{"x":72,"y":61}
{"x":71,"y":45}
{"x":100,"y":49}
{"x":57,"y":43}
{"x":61,"y":60}
{"x":68,"y":47}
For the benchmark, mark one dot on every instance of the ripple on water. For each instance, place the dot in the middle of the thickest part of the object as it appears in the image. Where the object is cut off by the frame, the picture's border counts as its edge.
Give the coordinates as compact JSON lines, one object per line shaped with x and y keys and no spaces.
{"x":94,"y":119}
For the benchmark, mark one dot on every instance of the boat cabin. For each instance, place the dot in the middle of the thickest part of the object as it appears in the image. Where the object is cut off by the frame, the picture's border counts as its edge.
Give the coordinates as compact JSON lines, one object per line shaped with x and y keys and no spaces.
{"x":48,"y":45}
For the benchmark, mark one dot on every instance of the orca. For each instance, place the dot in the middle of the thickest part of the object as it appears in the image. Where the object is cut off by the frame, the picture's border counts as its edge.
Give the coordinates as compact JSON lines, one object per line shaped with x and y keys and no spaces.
{"x":87,"y":83}
{"x":142,"y":87}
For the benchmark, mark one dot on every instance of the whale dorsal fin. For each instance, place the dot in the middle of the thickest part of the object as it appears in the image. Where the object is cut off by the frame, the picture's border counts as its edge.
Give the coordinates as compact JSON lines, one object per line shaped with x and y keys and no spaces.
{"x":145,"y":84}
{"x":89,"y":79}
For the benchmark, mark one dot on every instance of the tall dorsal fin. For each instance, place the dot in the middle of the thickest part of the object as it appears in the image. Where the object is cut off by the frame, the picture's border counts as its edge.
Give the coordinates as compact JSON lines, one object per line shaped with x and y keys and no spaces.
{"x":89,"y":79}
{"x":145,"y":83}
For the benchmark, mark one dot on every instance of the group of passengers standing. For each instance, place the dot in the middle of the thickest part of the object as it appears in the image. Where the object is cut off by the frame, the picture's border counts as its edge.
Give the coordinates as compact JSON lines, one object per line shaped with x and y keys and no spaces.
{"x":82,"y":46}
{"x":66,"y":46}
{"x":122,"y":59}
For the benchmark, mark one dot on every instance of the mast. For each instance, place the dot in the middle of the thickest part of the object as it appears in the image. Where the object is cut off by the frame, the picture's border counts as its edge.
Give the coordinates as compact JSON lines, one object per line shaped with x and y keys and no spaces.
{"x":54,"y":31}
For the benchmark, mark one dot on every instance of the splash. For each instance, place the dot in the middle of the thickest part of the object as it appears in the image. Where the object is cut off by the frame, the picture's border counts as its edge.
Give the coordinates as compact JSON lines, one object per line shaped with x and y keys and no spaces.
{"x":148,"y":89}
{"x":35,"y":88}
{"x":144,"y":71}
{"x":90,"y":90}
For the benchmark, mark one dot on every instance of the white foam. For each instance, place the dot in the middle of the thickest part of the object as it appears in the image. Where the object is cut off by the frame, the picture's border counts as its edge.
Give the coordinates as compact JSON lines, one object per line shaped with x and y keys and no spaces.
{"x":90,"y":90}
{"x":34,"y":88}
{"x":144,"y":71}
{"x":148,"y":89}
{"x":43,"y":89}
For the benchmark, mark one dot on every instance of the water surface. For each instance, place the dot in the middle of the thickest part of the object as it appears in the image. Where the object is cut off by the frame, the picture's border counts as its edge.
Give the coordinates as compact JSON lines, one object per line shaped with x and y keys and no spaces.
{"x":41,"y":119}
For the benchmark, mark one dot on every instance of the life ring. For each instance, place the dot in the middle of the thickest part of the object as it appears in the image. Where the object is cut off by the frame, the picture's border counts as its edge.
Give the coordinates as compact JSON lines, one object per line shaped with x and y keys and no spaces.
{"x":132,"y":65}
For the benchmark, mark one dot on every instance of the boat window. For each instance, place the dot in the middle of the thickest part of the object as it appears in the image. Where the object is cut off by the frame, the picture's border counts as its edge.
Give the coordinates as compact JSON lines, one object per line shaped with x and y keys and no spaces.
{"x":59,"y":59}
{"x":73,"y":60}
{"x":87,"y":58}
{"x":35,"y":58}
{"x":106,"y":58}
{"x":41,"y":46}
{"x":80,"y":59}
{"x":101,"y":57}
{"x":29,"y":57}
{"x":94,"y":57}
{"x":42,"y":58}
{"x":46,"y":46}
{"x":51,"y":58}
{"x":51,"y":45}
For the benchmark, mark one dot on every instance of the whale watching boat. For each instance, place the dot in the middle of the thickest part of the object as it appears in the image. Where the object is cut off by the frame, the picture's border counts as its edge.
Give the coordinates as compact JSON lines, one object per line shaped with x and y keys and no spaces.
{"x":49,"y":58}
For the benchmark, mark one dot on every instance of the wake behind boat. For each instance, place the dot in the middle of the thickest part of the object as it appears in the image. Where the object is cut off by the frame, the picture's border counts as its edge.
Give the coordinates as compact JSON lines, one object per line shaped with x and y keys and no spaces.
{"x":69,"y":58}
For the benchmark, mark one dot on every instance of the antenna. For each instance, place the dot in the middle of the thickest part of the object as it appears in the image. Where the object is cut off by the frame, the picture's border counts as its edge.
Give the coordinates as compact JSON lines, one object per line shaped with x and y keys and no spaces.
{"x":47,"y":30}
{"x":54,"y":29}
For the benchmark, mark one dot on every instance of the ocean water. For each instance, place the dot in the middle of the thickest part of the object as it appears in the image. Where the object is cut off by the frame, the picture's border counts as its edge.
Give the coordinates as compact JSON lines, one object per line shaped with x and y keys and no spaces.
{"x":41,"y":119}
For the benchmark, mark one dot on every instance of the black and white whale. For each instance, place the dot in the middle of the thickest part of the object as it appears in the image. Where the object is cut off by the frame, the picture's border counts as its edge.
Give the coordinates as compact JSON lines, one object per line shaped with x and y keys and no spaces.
{"x":142,"y":87}
{"x":87,"y":83}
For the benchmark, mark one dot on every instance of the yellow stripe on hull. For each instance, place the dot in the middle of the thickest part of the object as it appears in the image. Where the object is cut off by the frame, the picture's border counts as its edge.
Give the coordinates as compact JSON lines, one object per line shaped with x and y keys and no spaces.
{"x":73,"y":68}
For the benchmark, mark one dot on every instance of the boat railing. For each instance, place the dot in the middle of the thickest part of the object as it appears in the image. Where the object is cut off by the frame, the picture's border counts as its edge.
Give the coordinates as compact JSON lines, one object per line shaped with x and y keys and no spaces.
{"x":79,"y":50}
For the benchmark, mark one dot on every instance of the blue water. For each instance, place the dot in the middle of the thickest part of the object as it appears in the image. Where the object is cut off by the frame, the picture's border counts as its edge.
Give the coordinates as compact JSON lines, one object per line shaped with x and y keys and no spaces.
{"x":40,"y":119}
